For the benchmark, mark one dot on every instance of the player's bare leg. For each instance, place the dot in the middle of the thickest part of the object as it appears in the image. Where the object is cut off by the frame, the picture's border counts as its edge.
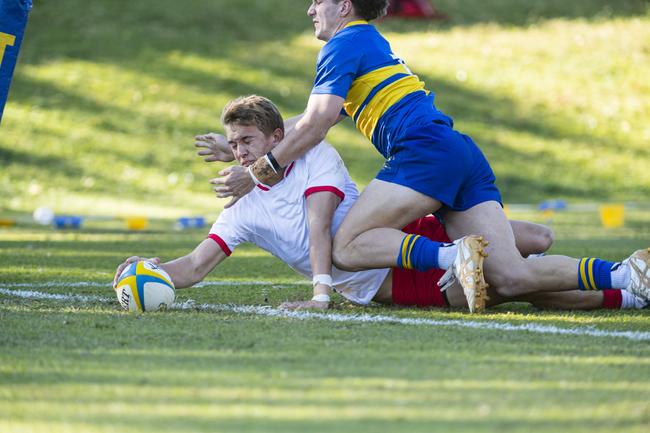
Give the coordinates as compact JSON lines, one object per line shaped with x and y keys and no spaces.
{"x":370,"y":237}
{"x":505,"y":269}
{"x":531,"y":238}
{"x":568,"y":300}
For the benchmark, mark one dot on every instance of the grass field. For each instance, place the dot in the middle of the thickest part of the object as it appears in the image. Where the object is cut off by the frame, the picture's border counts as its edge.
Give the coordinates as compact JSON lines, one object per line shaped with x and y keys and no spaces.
{"x":86,"y":366}
{"x":105,"y":101}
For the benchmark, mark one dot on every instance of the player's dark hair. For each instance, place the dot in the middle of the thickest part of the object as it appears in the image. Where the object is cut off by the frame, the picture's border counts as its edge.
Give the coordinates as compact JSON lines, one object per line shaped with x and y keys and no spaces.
{"x":370,"y":9}
{"x":255,"y":111}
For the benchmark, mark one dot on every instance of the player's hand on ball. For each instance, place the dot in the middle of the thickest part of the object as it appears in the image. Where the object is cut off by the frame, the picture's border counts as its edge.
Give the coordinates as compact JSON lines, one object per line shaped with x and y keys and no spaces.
{"x":213,"y":147}
{"x":235,"y":182}
{"x":305,"y":305}
{"x":127,"y":262}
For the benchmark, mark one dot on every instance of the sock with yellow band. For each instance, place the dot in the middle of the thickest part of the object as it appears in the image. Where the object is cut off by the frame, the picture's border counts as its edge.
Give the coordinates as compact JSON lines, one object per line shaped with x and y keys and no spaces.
{"x":422,"y":254}
{"x":596,"y":274}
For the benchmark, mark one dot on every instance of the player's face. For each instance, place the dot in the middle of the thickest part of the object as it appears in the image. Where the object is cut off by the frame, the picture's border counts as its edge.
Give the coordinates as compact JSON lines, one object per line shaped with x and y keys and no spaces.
{"x":248,"y":143}
{"x":326,"y":16}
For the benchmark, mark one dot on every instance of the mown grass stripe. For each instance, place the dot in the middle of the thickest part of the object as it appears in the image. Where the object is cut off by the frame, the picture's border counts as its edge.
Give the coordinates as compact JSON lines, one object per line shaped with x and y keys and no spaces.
{"x":356,"y":318}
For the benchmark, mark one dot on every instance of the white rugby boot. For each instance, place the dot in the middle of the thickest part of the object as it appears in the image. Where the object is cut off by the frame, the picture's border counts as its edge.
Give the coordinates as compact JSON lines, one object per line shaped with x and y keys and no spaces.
{"x":447,"y":279}
{"x":639,"y":264}
{"x":468,"y":270}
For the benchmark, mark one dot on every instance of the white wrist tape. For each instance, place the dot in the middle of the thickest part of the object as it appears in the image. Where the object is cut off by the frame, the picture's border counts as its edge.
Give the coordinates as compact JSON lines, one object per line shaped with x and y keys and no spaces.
{"x":321,"y":298}
{"x":322,"y":279}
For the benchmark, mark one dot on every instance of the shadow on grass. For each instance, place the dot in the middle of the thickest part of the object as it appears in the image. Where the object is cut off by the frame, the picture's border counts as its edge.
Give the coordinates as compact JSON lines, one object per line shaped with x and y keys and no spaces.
{"x":200,"y":371}
{"x":120,"y":29}
{"x":129,"y":35}
{"x":494,"y":114}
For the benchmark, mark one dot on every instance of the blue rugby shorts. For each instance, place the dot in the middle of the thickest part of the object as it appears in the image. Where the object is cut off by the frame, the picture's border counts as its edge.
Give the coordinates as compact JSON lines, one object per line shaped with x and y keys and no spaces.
{"x":439,"y":162}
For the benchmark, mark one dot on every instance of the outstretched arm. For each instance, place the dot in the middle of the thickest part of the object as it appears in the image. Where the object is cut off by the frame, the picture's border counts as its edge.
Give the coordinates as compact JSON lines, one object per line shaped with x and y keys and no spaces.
{"x":187,"y":270}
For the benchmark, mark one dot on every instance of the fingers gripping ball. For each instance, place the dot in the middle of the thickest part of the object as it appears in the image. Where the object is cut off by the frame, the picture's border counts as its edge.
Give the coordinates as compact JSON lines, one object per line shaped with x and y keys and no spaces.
{"x":143,"y":286}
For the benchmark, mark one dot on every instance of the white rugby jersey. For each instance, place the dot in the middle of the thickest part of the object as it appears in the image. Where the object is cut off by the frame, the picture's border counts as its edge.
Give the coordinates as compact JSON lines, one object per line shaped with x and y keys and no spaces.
{"x":275,"y":219}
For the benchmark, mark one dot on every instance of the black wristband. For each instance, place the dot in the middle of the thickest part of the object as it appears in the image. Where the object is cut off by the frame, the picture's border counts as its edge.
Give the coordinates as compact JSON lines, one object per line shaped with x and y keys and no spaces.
{"x":274,"y":162}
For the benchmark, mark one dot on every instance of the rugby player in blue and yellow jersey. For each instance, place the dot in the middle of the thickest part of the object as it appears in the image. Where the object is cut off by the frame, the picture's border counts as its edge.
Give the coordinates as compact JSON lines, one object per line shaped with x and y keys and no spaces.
{"x":429,"y":168}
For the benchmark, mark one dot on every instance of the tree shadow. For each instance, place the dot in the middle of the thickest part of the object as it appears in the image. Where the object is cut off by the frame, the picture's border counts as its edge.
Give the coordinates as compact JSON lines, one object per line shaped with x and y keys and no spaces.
{"x":115,"y":33}
{"x":120,"y":29}
{"x":201,"y":372}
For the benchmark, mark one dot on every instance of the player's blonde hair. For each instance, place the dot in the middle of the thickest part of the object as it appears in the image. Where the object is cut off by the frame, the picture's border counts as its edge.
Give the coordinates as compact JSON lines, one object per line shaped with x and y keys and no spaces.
{"x":253,"y":110}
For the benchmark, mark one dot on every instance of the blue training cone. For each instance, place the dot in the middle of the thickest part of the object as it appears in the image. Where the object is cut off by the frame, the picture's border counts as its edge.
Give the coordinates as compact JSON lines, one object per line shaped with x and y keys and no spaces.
{"x":185,"y":223}
{"x":67,"y":222}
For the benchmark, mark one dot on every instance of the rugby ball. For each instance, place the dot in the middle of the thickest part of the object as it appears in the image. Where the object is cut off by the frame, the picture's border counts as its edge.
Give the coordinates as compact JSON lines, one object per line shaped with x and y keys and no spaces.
{"x":143,"y":286}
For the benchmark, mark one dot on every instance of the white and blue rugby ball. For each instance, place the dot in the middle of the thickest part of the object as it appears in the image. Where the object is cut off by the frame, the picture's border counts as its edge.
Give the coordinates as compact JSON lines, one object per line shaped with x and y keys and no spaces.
{"x":143,"y":286}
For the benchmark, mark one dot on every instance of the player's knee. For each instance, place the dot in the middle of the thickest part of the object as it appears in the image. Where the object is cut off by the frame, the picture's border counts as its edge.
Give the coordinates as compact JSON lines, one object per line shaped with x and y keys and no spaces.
{"x":509,"y":282}
{"x":343,"y":256}
{"x":342,"y":259}
{"x":544,"y":239}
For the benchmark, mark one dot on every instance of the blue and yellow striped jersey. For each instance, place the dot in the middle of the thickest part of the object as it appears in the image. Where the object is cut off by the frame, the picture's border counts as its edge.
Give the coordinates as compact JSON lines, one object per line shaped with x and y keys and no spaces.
{"x":381,"y":94}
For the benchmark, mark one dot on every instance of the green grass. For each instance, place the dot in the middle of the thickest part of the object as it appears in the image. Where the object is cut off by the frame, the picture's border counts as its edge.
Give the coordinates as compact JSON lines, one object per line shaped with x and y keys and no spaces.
{"x":90,"y":367}
{"x":108,"y":95}
{"x":105,"y":101}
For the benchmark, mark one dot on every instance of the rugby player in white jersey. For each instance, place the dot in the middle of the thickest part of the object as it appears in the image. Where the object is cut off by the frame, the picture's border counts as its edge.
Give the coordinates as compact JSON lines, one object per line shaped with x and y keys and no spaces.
{"x":296,"y":219}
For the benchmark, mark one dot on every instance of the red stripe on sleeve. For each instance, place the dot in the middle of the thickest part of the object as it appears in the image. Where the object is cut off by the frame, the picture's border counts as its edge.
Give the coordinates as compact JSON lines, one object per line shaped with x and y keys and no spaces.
{"x":221,"y":243}
{"x":288,"y":170}
{"x":332,"y":189}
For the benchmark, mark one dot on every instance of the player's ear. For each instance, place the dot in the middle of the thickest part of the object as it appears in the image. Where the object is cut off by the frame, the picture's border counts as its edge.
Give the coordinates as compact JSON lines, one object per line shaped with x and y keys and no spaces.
{"x":277,"y":135}
{"x":346,"y":8}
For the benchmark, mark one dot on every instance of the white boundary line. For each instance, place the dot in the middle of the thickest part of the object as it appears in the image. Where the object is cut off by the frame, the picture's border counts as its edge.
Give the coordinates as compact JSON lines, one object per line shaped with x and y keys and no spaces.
{"x":337,"y":317}
{"x":30,"y":294}
{"x":225,"y":283}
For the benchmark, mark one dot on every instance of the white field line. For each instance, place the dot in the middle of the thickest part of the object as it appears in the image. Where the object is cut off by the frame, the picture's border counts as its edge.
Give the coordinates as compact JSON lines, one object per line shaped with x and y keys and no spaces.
{"x":348,"y":318}
{"x":226,"y":283}
{"x":30,"y":294}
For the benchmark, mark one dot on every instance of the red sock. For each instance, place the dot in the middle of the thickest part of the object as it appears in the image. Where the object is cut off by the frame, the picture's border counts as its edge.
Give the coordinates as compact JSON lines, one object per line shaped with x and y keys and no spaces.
{"x":612,"y":299}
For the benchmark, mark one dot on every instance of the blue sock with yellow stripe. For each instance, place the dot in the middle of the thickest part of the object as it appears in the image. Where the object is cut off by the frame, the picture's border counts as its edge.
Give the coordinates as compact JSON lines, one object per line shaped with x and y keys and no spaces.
{"x":418,"y":252}
{"x":595,"y":274}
